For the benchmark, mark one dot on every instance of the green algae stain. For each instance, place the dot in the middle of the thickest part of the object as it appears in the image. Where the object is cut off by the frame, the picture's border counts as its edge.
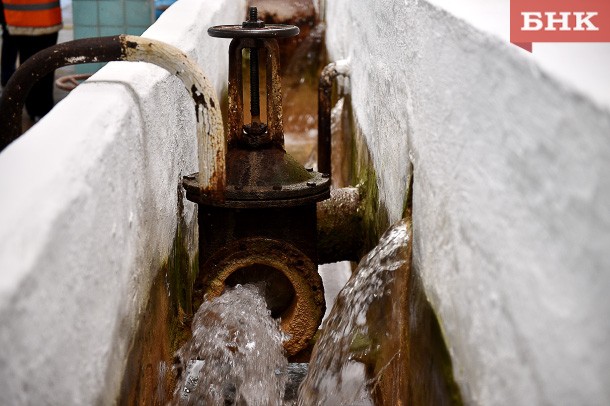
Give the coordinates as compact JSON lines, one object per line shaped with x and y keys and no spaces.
{"x":363,"y":175}
{"x":429,"y":353}
{"x":428,"y":368}
{"x":180,"y":271}
{"x":360,"y":343}
{"x":165,"y":324}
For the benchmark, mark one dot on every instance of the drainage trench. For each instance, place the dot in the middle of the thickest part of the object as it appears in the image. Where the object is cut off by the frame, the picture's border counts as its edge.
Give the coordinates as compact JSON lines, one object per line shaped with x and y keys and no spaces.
{"x":408,"y":364}
{"x":383,"y":356}
{"x":251,"y":300}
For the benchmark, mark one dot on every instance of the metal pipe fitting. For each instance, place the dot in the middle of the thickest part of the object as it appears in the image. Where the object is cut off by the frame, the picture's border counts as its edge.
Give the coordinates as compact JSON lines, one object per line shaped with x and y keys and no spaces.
{"x":340,"y":226}
{"x":210,"y":135}
{"x":327,"y":77}
{"x":265,"y":231}
{"x":283,"y":269}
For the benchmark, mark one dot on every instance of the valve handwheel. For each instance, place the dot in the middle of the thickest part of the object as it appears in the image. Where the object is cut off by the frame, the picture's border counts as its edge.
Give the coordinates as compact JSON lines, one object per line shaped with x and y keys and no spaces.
{"x":254,"y":28}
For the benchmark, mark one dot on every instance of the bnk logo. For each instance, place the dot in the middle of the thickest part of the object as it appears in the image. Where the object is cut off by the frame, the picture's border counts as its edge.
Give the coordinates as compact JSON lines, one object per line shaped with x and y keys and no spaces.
{"x":559,"y":21}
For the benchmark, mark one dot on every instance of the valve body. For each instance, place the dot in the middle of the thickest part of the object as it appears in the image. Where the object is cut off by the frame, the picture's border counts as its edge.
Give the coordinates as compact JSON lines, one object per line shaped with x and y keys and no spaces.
{"x":264,"y":230}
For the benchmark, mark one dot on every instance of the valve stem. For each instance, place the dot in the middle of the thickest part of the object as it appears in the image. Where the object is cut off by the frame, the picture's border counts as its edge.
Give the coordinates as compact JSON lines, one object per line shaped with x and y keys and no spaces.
{"x":255,"y":109}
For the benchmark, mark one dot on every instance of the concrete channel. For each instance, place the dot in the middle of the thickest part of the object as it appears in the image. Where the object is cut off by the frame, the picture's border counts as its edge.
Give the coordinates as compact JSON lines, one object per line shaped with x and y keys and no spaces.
{"x":499,"y":163}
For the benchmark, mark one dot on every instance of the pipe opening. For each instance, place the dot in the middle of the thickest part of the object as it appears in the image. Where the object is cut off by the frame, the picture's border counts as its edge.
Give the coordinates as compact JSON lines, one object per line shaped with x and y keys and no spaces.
{"x":278,"y":290}
{"x":289,"y":288}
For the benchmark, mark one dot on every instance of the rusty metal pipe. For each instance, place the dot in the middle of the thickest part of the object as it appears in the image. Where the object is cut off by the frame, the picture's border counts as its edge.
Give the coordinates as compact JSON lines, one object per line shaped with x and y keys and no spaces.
{"x":327,"y":77}
{"x":210,"y":135}
{"x":340,"y":226}
{"x":31,"y":71}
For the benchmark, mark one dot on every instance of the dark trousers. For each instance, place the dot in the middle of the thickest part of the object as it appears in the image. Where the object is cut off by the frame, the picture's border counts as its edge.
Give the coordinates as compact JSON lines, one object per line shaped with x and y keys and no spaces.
{"x":40,"y":99}
{"x":9,"y":57}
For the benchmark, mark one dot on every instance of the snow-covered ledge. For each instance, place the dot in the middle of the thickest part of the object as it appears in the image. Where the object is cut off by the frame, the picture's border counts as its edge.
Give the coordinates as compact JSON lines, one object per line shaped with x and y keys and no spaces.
{"x":88,"y":211}
{"x":511,"y":196}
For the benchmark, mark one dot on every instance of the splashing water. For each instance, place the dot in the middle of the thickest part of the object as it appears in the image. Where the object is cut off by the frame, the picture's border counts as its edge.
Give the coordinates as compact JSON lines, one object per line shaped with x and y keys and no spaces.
{"x":359,"y":328}
{"x":235,"y":356}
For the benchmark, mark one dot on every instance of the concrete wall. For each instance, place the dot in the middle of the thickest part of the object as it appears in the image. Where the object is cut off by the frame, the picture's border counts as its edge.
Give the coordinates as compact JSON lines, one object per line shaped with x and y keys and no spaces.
{"x":511,"y":195}
{"x":581,"y":65}
{"x":88,"y":213}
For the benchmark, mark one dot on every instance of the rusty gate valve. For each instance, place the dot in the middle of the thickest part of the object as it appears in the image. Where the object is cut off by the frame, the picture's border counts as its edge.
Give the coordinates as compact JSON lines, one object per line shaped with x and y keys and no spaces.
{"x":254,"y":35}
{"x":265,"y":230}
{"x":259,"y":171}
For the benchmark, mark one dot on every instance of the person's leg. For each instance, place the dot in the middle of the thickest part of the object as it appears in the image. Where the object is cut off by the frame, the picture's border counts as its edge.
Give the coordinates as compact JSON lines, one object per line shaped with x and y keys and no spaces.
{"x":40,"y":99}
{"x":8,"y":57}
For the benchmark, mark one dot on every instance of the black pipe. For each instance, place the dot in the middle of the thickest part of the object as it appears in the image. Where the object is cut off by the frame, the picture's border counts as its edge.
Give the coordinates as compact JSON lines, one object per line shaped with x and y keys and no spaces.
{"x":89,"y":50}
{"x":255,"y":110}
{"x":328,"y":75}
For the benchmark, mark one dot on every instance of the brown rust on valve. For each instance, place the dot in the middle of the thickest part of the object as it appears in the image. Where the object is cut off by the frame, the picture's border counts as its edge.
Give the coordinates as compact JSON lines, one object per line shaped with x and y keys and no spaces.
{"x":301,"y":312}
{"x":264,"y":231}
{"x":340,"y":226}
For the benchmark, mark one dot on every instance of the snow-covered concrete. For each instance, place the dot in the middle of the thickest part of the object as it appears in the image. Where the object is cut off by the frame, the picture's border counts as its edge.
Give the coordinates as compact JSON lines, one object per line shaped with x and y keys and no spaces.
{"x":88,"y":212}
{"x":582,"y":66}
{"x":511,"y":196}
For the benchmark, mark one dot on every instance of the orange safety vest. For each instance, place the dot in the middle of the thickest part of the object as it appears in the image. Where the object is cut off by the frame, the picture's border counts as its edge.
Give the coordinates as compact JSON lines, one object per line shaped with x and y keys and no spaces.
{"x":32,"y":17}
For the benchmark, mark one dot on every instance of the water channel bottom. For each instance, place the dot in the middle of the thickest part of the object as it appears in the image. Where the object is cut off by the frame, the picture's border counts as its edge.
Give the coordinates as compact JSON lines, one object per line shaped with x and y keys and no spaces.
{"x":235,"y":356}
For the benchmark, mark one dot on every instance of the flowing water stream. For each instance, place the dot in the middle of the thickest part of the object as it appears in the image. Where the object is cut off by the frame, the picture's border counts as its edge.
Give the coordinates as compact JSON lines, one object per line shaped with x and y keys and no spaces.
{"x":235,"y":356}
{"x":352,"y":352}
